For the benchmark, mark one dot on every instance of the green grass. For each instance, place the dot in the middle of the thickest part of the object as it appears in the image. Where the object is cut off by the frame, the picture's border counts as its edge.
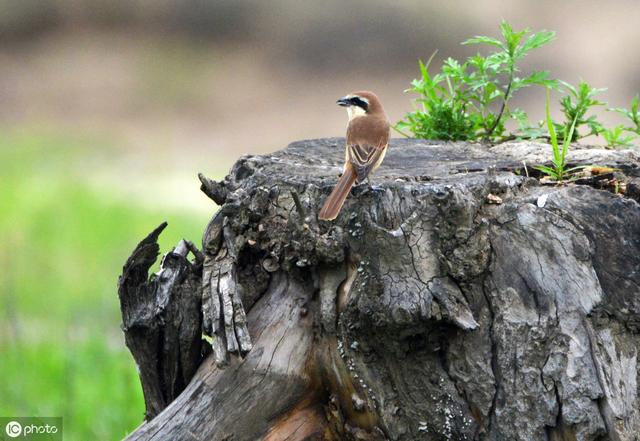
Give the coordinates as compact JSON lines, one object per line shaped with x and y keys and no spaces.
{"x":558,"y":170}
{"x":62,"y":246}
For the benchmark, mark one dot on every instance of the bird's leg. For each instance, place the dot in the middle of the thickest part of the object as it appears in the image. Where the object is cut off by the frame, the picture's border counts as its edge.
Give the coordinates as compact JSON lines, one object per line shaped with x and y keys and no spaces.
{"x":359,"y":187}
{"x":374,"y":188}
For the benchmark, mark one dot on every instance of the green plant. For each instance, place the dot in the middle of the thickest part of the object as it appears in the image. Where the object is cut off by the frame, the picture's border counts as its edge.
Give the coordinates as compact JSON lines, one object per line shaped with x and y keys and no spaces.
{"x":503,"y":63}
{"x":470,"y":100}
{"x":558,"y":171}
{"x":615,"y":137}
{"x":633,"y":115}
{"x":575,"y":105}
{"x":443,"y":113}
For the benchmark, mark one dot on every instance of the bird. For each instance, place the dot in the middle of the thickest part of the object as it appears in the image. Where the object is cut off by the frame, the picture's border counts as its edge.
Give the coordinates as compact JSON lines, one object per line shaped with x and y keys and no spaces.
{"x":366,"y":146}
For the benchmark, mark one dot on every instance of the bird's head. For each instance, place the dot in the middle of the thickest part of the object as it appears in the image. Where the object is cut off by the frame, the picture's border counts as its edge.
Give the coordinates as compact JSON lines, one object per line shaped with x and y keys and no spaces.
{"x":361,"y":104}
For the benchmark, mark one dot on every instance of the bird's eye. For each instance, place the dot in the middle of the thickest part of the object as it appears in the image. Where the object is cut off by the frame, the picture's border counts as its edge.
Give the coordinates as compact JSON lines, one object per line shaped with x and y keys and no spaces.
{"x":357,"y":101}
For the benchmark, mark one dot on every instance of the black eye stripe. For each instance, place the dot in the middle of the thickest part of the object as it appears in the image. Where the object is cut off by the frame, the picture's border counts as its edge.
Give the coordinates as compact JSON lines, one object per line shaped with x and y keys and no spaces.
{"x":357,"y":101}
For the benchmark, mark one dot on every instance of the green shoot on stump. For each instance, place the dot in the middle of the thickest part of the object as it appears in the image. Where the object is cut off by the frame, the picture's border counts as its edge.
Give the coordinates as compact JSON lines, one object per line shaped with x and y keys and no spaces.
{"x":558,"y":171}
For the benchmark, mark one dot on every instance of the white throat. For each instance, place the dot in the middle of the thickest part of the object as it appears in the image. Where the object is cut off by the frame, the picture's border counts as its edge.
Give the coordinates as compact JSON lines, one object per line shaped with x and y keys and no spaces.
{"x":355,"y":111}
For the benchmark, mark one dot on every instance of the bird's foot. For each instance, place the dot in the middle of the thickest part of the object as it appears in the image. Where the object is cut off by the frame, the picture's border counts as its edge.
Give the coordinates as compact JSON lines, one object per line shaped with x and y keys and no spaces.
{"x":360,"y":188}
{"x":364,"y":188}
{"x":376,"y":189}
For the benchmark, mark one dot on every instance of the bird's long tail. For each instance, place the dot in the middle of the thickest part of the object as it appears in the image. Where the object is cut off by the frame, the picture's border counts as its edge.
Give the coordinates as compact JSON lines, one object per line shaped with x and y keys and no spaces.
{"x":335,"y":201}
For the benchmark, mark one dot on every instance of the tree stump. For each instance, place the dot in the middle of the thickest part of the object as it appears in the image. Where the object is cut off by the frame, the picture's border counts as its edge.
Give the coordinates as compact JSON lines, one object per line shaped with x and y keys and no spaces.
{"x":463,"y":299}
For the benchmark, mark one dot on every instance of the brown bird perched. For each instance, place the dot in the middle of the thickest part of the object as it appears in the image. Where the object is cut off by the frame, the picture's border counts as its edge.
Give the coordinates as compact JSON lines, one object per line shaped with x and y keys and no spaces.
{"x":367,"y":140}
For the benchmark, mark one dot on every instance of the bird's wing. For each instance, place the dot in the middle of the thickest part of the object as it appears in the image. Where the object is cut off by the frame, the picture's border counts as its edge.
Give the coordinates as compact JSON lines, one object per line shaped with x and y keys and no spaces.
{"x":363,"y":157}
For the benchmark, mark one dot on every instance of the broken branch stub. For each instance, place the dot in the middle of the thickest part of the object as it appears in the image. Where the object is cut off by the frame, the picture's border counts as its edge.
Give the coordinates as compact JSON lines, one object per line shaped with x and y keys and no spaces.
{"x":161,"y":320}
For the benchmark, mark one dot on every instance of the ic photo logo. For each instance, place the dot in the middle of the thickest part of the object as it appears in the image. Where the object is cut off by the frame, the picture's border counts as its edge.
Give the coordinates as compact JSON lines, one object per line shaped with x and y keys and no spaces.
{"x":31,"y":428}
{"x":13,"y":429}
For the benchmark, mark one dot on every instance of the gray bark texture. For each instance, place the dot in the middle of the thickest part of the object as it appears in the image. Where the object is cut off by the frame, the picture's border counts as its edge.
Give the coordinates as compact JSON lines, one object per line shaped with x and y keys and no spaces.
{"x":461,"y":298}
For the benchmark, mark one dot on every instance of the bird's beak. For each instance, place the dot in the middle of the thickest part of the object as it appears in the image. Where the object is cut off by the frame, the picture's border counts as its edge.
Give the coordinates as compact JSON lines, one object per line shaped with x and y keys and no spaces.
{"x":344,"y":102}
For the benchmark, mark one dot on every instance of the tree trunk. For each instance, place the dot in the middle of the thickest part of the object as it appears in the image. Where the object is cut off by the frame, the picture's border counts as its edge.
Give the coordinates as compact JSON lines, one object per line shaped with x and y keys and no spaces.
{"x":460,"y":299}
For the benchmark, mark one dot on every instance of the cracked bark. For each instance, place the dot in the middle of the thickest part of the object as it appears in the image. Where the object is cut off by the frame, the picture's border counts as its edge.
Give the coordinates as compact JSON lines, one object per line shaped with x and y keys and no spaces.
{"x":423,"y":312}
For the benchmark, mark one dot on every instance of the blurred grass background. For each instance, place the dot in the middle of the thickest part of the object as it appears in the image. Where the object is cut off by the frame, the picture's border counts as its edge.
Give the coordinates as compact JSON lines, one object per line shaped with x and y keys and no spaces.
{"x":61,"y":351}
{"x":109,"y":108}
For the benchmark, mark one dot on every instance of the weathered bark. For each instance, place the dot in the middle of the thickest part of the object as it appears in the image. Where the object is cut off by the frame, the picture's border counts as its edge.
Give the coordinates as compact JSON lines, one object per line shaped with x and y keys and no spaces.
{"x":464,"y":300}
{"x":161,"y":319}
